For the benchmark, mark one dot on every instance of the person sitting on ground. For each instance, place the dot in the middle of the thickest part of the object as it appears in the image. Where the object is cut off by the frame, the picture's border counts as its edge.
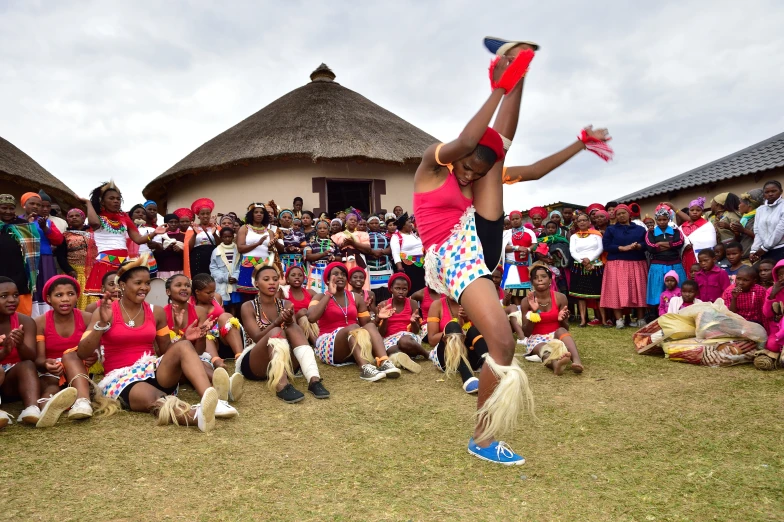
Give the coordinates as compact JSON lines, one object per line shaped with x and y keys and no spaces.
{"x":546,"y":324}
{"x":130,"y":331}
{"x":300,"y":297}
{"x":745,"y":297}
{"x":61,"y":329}
{"x":108,"y":285}
{"x":225,"y":327}
{"x":735,"y":258}
{"x":347,"y":334}
{"x":425,"y":298}
{"x":401,"y":329}
{"x":671,"y":291}
{"x":512,"y":310}
{"x":711,"y":279}
{"x":269,"y":323}
{"x":356,"y":280}
{"x":17,"y":366}
{"x":688,"y":297}
{"x":765,"y":272}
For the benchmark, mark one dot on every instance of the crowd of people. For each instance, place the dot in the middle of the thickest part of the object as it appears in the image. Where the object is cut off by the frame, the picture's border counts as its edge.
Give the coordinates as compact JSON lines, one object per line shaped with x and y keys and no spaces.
{"x":456,"y":282}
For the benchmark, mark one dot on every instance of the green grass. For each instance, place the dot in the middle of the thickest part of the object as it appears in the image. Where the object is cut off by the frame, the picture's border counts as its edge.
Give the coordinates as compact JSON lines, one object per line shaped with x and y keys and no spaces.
{"x":633,"y":438}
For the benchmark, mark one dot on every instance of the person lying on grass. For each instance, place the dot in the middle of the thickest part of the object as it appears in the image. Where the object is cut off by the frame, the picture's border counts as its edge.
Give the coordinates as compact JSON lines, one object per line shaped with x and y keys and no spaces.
{"x":17,"y":356}
{"x":60,"y":331}
{"x":347,"y":334}
{"x":143,"y":364}
{"x":545,"y":317}
{"x":269,"y":322}
{"x":401,"y":330}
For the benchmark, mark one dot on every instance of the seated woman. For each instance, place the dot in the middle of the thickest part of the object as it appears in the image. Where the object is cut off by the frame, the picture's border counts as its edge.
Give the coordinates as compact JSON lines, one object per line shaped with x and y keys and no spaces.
{"x":425,"y":298}
{"x":19,"y":375}
{"x":457,"y":348}
{"x":180,"y":312}
{"x":61,"y":329}
{"x":401,"y":329}
{"x":108,"y":284}
{"x":356,"y":280}
{"x":300,"y":298}
{"x":546,"y":324}
{"x":143,"y":366}
{"x":269,"y":323}
{"x":347,"y":335}
{"x":225,"y":326}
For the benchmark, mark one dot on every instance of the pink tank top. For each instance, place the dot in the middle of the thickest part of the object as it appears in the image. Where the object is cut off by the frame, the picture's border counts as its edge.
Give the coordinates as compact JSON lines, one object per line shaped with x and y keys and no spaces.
{"x":192,"y":315}
{"x":334,"y":318}
{"x":217,"y":310}
{"x":438,"y":211}
{"x":123,"y":345}
{"x":303,"y":303}
{"x":446,"y":313}
{"x":549,"y":320}
{"x":399,"y":321}
{"x":13,"y":355}
{"x":56,"y":345}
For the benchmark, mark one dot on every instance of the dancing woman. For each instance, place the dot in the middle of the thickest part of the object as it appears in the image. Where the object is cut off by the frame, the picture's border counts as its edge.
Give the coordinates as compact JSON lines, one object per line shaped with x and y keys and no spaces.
{"x":269,"y":323}
{"x":346,"y":333}
{"x":131,"y":331}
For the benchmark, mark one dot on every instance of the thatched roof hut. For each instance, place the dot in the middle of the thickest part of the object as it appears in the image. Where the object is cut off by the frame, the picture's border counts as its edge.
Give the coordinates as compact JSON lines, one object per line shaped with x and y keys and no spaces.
{"x":315,"y":136}
{"x":19,"y":173}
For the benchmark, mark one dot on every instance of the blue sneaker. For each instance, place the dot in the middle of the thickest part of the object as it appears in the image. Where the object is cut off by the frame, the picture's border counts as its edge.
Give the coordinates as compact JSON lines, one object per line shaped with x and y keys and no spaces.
{"x":497,"y":452}
{"x":471,"y":386}
{"x":499,"y":46}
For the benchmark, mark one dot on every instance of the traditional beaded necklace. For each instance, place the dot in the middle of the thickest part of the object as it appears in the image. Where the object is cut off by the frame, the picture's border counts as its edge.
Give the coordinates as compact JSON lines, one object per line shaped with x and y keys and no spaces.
{"x":343,"y":311}
{"x":110,"y":225}
{"x":258,"y":230}
{"x":518,"y":233}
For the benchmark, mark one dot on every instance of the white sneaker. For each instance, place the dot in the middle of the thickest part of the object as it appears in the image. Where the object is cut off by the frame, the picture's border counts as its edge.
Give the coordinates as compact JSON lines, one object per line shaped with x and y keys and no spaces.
{"x":205,"y":411}
{"x":55,"y":406}
{"x":220,"y":381}
{"x":5,"y":419}
{"x":236,"y":383}
{"x":619,"y":324}
{"x":225,"y":411}
{"x":81,"y":409}
{"x":30,"y":415}
{"x":533,"y":358}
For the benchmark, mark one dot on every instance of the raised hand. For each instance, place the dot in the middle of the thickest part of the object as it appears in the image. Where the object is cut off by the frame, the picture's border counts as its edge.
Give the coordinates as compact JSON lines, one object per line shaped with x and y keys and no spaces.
{"x":194,"y":332}
{"x":287,"y":316}
{"x":563,"y":313}
{"x":599,"y":134}
{"x":16,"y":337}
{"x":415,"y":317}
{"x":161,"y":230}
{"x":386,"y":311}
{"x":533,"y":304}
{"x":332,"y":287}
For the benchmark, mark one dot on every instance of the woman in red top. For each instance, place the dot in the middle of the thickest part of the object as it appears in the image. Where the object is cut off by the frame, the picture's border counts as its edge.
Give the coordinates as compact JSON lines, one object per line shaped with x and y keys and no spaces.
{"x":225,"y":326}
{"x":356,"y":280}
{"x":143,"y":366}
{"x":425,"y":297}
{"x":401,"y":330}
{"x":61,"y":329}
{"x":300,"y":298}
{"x":18,"y":376}
{"x":545,"y":317}
{"x":269,"y":324}
{"x":347,"y":334}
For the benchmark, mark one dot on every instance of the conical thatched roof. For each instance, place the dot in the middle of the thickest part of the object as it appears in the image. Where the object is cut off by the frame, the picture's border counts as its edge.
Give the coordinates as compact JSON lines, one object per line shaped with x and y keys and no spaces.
{"x":320,"y":121}
{"x":20,"y":169}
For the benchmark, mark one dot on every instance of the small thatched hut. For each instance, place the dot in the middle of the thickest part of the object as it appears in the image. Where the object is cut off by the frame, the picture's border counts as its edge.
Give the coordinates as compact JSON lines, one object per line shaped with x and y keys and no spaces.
{"x":19,"y":173}
{"x":323,"y":142}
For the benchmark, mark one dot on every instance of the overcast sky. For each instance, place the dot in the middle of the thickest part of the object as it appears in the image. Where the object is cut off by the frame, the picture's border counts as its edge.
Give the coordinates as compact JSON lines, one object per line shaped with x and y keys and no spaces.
{"x":93,"y":90}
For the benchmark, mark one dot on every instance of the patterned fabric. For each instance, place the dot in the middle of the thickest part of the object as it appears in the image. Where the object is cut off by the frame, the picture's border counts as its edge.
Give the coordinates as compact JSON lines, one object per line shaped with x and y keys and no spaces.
{"x":393,"y":339}
{"x":625,"y":284}
{"x":379,"y":268}
{"x":434,"y":357}
{"x":586,"y":284}
{"x":534,"y":340}
{"x":656,"y":285}
{"x":325,"y":349}
{"x":452,"y":266}
{"x":117,"y":380}
{"x":29,"y":239}
{"x":316,"y":269}
{"x":245,"y":281}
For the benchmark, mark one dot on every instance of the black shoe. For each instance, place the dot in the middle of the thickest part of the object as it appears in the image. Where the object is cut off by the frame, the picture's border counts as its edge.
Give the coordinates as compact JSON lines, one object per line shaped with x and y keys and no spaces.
{"x":290,"y":394}
{"x":318,"y":390}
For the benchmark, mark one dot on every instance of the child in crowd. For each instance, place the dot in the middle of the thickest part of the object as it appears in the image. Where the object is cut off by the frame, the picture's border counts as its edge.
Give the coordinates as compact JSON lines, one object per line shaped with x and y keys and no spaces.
{"x":765,"y":272}
{"x":688,"y":297}
{"x":225,"y":270}
{"x":711,"y":279}
{"x":735,"y":258}
{"x":693,"y":270}
{"x":773,"y":308}
{"x":746,"y":297}
{"x":671,"y":290}
{"x":721,"y":256}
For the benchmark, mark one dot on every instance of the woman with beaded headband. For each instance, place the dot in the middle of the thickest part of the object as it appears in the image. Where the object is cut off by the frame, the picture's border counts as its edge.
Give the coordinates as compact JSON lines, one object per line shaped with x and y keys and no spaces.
{"x":111,"y":227}
{"x":255,"y":242}
{"x":204,"y":238}
{"x":519,"y":246}
{"x":79,"y":252}
{"x":293,"y":240}
{"x":346,"y":332}
{"x":274,"y":337}
{"x":143,"y":365}
{"x":138,"y":215}
{"x":353,"y":244}
{"x":320,"y":252}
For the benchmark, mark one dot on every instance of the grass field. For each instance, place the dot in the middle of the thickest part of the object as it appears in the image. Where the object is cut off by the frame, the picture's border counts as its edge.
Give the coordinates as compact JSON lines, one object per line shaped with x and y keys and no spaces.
{"x":633,"y":438}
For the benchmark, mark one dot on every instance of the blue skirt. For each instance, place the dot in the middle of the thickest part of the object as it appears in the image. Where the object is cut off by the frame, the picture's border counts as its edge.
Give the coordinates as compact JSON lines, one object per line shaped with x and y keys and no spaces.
{"x":656,"y":281}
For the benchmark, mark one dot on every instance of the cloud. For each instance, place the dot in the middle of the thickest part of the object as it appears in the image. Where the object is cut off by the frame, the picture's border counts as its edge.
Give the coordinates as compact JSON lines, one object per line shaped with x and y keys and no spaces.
{"x":94,"y":90}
